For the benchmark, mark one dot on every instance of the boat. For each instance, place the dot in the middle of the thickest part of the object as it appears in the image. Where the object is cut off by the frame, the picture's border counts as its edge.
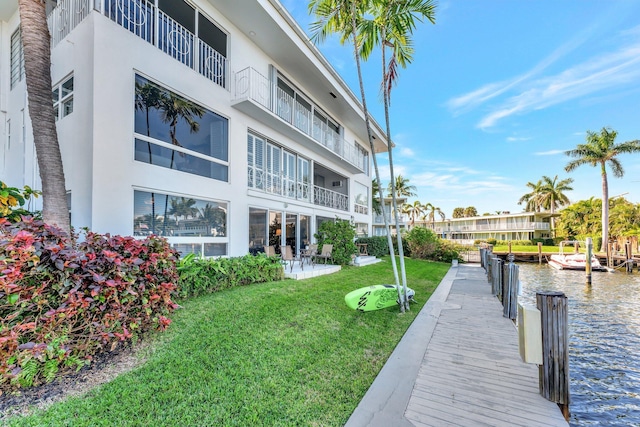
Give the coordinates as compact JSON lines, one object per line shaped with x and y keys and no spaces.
{"x":574,"y":261}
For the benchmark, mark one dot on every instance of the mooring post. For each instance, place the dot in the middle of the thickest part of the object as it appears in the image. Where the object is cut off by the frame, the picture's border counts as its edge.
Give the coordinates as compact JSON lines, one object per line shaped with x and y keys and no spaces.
{"x":554,"y":371}
{"x":609,"y":255}
{"x":539,"y":252}
{"x":510,"y":289}
{"x":628,"y":256}
{"x":587,"y":268}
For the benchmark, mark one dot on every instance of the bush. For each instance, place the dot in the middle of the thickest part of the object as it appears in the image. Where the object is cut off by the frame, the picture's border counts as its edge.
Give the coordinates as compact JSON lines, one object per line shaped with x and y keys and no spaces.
{"x":341,"y":234}
{"x":377,"y":246}
{"x":406,"y":249}
{"x":12,"y":201}
{"x":425,"y":244}
{"x":199,"y":276}
{"x":492,"y":241}
{"x":60,"y":304}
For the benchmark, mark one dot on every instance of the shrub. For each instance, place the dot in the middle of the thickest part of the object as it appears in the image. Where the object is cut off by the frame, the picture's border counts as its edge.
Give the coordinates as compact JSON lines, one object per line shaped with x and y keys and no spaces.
{"x":199,"y":276}
{"x":377,"y":246}
{"x":12,"y":201}
{"x":341,"y":234}
{"x":60,"y":304}
{"x":492,"y":241}
{"x":425,"y":244}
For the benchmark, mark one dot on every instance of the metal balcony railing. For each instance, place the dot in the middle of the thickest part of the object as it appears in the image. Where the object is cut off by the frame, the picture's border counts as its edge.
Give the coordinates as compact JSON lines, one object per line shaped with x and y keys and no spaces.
{"x":144,"y":20}
{"x":250,"y":84}
{"x":330,"y":199}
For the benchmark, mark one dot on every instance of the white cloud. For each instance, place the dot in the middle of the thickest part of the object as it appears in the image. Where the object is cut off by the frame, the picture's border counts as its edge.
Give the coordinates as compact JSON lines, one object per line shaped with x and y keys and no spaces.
{"x":549,"y":153}
{"x":518,"y":138}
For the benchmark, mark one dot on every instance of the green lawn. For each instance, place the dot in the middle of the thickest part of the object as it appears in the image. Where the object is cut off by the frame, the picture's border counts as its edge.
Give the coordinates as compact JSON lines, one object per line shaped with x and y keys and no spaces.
{"x":276,"y":354}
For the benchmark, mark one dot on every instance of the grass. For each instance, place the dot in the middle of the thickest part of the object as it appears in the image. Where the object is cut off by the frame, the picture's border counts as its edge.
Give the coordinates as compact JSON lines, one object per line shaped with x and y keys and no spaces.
{"x":278,"y":354}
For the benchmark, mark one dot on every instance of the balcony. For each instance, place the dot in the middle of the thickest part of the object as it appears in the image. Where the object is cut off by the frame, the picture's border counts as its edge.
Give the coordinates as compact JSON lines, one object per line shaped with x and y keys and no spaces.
{"x":256,"y":95}
{"x":151,"y":24}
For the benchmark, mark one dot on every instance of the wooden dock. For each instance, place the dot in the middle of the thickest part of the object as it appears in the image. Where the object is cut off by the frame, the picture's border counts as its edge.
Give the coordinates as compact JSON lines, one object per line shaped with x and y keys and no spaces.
{"x":466,"y":371}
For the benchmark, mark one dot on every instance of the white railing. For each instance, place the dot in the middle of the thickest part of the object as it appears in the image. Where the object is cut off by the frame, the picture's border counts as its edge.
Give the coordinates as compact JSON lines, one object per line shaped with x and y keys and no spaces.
{"x":175,"y":40}
{"x":361,"y":209}
{"x":250,"y":84}
{"x":66,"y":15}
{"x":277,"y":183}
{"x":330,"y":199}
{"x":494,"y":227}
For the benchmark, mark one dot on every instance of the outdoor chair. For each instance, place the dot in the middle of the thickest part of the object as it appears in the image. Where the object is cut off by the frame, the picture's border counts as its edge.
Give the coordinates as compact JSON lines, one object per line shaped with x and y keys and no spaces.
{"x":311,"y":253}
{"x":287,"y":256}
{"x":270,"y":250}
{"x":325,"y":253}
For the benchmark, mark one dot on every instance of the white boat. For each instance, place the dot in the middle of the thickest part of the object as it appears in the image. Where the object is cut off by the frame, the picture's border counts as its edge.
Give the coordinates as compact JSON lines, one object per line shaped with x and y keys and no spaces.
{"x":574,"y":261}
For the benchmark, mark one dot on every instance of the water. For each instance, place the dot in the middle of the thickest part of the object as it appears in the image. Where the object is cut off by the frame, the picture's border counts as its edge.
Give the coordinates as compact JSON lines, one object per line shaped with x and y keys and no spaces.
{"x":604,"y":341}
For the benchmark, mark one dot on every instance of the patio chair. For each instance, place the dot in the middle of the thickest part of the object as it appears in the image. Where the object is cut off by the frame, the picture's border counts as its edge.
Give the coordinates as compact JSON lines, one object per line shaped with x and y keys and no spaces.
{"x":325,"y":253}
{"x":311,"y":253}
{"x":287,"y":256}
{"x":270,"y":250}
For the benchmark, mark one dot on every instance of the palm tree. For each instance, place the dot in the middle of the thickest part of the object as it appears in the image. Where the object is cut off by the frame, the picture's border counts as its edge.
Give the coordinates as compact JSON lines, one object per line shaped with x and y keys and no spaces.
{"x":343,"y":17}
{"x":174,"y":108}
{"x":552,"y":195}
{"x":601,"y":150}
{"x":432,"y":211}
{"x":401,"y":188}
{"x":37,"y":69}
{"x":391,"y":25}
{"x":414,"y":211}
{"x":531,"y":199}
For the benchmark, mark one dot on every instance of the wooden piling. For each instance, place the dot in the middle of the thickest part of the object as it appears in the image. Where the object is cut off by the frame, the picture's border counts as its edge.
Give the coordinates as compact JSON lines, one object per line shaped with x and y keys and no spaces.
{"x":587,"y":269}
{"x":554,"y":371}
{"x":510,"y":289}
{"x":628,"y":251}
{"x":539,"y":252}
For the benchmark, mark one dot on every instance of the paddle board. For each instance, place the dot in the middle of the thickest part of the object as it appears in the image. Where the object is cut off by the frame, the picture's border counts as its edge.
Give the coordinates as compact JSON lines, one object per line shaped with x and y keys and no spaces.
{"x":374,"y":297}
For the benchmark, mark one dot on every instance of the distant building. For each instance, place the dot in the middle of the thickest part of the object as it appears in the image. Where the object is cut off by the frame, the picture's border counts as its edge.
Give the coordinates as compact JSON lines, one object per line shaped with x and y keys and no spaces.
{"x":378,"y":220}
{"x":506,"y":226}
{"x":214,"y":123}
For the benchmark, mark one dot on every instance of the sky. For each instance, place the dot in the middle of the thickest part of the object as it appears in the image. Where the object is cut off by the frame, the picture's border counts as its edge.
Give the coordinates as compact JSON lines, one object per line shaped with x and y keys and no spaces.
{"x":498,"y":90}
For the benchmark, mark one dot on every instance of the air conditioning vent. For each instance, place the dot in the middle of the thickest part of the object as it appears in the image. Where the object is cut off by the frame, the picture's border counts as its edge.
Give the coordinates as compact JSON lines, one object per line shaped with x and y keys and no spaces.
{"x":337,"y":183}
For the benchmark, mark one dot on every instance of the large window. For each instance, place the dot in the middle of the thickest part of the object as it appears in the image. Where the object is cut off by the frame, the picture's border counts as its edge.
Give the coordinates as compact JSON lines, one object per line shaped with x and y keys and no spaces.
{"x":17,"y":58}
{"x":191,"y":225}
{"x":276,"y":170}
{"x":361,"y":198}
{"x":176,"y":133}
{"x":63,"y":98}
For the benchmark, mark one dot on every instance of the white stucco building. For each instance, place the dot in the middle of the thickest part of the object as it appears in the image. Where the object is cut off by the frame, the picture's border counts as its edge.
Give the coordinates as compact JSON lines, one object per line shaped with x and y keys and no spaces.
{"x":214,"y":123}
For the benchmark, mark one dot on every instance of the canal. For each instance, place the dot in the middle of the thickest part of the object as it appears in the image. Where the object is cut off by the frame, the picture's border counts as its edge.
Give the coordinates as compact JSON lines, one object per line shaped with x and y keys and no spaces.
{"x":604,"y":341}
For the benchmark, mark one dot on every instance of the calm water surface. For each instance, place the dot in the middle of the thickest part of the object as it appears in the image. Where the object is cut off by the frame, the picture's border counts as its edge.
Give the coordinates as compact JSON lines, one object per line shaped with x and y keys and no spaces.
{"x":604,"y":341}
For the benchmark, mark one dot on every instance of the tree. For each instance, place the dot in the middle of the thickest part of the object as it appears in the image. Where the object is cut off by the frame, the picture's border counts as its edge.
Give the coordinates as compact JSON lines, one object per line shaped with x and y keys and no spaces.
{"x":148,"y":97}
{"x":432,"y":211}
{"x":413,"y":211}
{"x":470,"y":211}
{"x":531,"y":200}
{"x":601,"y":150}
{"x":458,"y":213}
{"x":551,"y":194}
{"x":343,"y":17}
{"x":37,"y":69}
{"x":390,"y":24}
{"x":401,"y":188}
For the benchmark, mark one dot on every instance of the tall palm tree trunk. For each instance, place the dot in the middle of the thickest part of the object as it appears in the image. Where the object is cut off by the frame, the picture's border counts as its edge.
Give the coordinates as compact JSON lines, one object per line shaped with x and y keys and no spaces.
{"x":373,"y":152}
{"x":37,"y":67}
{"x":605,"y":210}
{"x":404,"y":303}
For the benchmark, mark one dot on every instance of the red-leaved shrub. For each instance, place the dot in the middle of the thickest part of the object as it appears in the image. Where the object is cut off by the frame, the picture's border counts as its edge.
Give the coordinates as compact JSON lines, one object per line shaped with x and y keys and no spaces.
{"x":60,"y":302}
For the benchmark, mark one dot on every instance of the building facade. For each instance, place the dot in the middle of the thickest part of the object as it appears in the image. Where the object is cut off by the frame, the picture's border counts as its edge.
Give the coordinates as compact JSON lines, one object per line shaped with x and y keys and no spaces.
{"x":506,"y":227}
{"x":216,"y":124}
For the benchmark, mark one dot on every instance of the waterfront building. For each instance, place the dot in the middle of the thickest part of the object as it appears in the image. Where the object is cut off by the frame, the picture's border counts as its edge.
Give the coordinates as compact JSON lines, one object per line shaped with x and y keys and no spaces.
{"x":216,"y":124}
{"x":505,"y":227}
{"x":387,"y":206}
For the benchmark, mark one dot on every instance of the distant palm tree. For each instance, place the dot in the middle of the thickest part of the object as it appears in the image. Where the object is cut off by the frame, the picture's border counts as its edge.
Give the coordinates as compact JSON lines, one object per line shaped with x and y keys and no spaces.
{"x":601,"y":150}
{"x":413,"y":210}
{"x":432,"y":211}
{"x":551,"y":194}
{"x":37,"y":69}
{"x":401,"y":187}
{"x":531,"y":199}
{"x":148,"y":96}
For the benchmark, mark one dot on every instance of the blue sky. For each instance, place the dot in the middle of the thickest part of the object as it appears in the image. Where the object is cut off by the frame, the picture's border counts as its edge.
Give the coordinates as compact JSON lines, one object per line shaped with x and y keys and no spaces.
{"x":499,"y":89}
